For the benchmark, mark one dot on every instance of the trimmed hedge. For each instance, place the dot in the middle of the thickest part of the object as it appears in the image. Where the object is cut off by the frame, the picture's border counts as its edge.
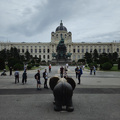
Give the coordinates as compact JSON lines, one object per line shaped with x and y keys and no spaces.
{"x":18,"y":66}
{"x":106,"y":66}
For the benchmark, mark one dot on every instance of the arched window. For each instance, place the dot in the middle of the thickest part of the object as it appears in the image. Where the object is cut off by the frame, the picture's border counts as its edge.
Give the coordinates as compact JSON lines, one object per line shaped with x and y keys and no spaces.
{"x":48,"y":57}
{"x":117,"y":49}
{"x":43,"y":56}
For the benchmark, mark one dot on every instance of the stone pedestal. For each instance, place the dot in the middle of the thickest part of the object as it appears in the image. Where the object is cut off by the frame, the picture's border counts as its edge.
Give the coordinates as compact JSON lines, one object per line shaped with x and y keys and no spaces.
{"x":61,"y":61}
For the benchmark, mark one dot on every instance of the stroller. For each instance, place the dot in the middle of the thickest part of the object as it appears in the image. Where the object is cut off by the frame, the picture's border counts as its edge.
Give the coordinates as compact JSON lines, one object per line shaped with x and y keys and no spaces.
{"x":4,"y":73}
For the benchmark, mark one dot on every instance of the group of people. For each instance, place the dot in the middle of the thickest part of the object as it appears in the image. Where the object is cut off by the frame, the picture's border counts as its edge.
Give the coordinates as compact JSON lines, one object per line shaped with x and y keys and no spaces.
{"x":24,"y":77}
{"x":92,"y":68}
{"x":63,"y":72}
{"x":79,"y":72}
{"x":37,"y":77}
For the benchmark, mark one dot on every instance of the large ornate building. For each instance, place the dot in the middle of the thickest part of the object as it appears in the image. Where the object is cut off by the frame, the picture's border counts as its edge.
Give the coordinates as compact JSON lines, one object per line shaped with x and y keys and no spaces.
{"x":78,"y":49}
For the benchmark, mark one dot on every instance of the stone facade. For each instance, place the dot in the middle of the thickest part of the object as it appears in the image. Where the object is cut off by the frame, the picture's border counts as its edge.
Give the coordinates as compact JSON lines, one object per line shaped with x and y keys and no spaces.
{"x":78,"y":50}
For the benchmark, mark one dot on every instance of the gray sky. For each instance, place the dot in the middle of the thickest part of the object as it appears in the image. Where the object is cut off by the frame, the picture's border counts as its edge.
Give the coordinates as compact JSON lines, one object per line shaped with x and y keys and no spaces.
{"x":34,"y":20}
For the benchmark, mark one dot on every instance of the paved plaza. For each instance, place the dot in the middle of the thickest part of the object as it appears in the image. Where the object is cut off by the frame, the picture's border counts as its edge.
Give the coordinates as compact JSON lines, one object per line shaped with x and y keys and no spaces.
{"x":97,"y":98}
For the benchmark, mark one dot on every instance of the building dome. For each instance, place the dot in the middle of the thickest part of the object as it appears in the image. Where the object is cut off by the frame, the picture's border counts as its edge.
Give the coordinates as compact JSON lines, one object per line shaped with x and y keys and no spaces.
{"x":61,"y":27}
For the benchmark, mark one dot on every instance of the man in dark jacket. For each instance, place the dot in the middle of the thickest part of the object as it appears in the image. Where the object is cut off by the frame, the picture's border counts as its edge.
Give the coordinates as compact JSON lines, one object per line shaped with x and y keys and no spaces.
{"x":61,"y":71}
{"x":79,"y":75}
{"x":24,"y":77}
{"x":37,"y":77}
{"x":76,"y":71}
{"x":45,"y":76}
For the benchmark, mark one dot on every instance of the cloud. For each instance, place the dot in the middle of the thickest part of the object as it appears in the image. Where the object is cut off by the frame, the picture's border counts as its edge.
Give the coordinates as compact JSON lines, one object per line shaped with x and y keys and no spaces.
{"x":86,"y":19}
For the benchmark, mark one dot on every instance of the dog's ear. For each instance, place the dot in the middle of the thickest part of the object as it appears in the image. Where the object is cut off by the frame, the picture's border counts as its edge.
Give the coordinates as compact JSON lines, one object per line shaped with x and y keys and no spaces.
{"x":71,"y":82}
{"x":53,"y":81}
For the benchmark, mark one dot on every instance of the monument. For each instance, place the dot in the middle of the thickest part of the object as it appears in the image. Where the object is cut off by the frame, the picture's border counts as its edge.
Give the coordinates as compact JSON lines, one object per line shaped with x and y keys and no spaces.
{"x":61,"y":56}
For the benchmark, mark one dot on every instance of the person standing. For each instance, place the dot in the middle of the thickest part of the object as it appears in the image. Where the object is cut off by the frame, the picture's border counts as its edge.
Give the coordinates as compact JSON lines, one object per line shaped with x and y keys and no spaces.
{"x":80,"y":72}
{"x":49,"y":68}
{"x":67,"y":65}
{"x":24,"y":77}
{"x":94,"y":69}
{"x":45,"y":76}
{"x":10,"y":71}
{"x":37,"y":77}
{"x":91,"y":68}
{"x":65,"y":72}
{"x":76,"y":71}
{"x":16,"y":76}
{"x":61,"y":71}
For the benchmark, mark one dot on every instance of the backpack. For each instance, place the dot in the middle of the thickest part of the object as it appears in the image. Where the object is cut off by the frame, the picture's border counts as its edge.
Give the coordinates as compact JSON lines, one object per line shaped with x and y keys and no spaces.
{"x":43,"y":74}
{"x":35,"y":76}
{"x":81,"y":71}
{"x":16,"y":74}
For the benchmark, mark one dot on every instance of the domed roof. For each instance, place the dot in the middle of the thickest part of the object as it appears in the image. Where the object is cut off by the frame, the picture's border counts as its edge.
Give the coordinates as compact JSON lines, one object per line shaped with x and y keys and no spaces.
{"x":61,"y":27}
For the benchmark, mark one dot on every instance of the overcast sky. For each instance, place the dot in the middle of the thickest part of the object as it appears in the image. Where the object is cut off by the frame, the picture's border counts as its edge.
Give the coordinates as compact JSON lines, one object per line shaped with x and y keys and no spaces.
{"x":34,"y":20}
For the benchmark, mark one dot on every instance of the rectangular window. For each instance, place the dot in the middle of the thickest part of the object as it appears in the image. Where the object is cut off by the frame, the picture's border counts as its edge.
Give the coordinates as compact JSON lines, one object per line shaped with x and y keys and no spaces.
{"x":39,"y":50}
{"x":44,"y":56}
{"x":78,"y":50}
{"x":73,"y":50}
{"x":103,"y":50}
{"x":82,"y":50}
{"x":43,"y":50}
{"x":48,"y":57}
{"x":86,"y":50}
{"x":99,"y":50}
{"x":91,"y":50}
{"x":19,"y":50}
{"x":82,"y":56}
{"x":31,"y":50}
{"x":48,"y":50}
{"x":117,"y":49}
{"x":35,"y":50}
{"x":108,"y":50}
{"x":22,"y":50}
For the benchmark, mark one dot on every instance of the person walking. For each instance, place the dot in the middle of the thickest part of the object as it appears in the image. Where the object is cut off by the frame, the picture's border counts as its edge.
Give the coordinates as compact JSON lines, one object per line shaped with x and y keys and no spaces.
{"x":80,"y":72}
{"x":16,"y":76}
{"x":45,"y":76}
{"x":76,"y":71}
{"x":37,"y":77}
{"x":24,"y":77}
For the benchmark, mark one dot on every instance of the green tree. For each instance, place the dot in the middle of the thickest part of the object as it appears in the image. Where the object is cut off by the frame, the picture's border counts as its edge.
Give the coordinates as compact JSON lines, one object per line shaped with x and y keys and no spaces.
{"x":3,"y":54}
{"x":27,"y":56}
{"x":2,"y":63}
{"x":95,"y":56}
{"x":18,"y":66}
{"x":110,"y":56}
{"x":13,"y":61}
{"x":115,"y":56}
{"x":88,"y":57}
